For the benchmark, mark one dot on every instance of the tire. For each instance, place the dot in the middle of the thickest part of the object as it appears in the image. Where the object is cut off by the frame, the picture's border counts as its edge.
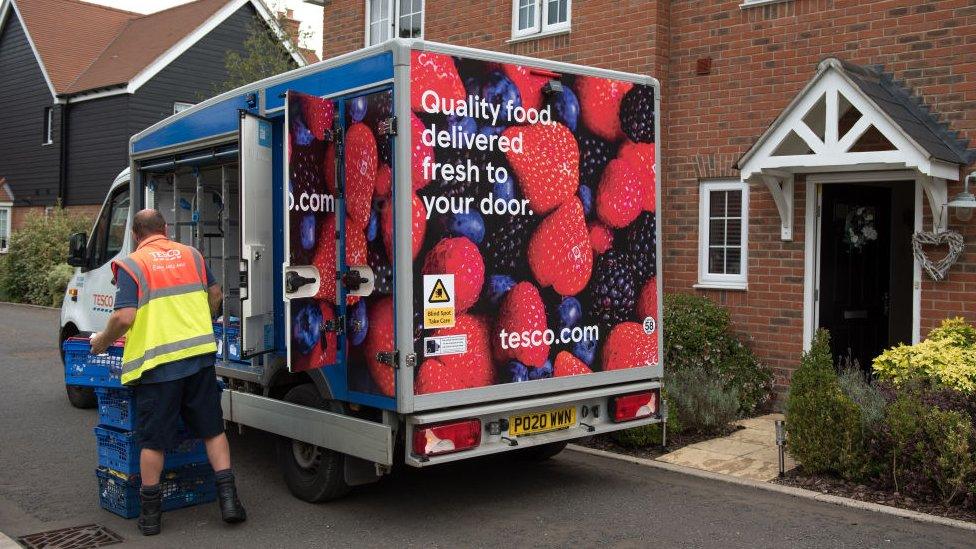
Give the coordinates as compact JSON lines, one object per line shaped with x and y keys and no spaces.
{"x":312,"y":473}
{"x":543,"y":451}
{"x":81,"y":397}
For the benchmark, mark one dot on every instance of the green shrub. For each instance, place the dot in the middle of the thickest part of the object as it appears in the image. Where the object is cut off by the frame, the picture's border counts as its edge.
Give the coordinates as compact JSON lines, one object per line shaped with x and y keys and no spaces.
{"x":869,"y":400}
{"x":698,"y":335}
{"x":35,"y":249}
{"x":946,"y":358}
{"x":701,"y":402}
{"x":930,"y":450}
{"x":57,"y":282}
{"x":824,"y":424}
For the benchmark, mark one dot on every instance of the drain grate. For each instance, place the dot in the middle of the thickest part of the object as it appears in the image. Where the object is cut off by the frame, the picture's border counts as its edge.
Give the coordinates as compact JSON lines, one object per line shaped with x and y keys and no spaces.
{"x":76,"y":537}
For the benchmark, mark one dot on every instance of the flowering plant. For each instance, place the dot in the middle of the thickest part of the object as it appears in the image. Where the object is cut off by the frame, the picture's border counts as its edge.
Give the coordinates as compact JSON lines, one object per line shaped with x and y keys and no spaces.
{"x":859,"y":227}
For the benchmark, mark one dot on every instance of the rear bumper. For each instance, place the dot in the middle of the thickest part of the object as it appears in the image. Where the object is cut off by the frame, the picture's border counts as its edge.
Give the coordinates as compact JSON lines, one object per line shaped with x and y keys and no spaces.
{"x":588,"y":423}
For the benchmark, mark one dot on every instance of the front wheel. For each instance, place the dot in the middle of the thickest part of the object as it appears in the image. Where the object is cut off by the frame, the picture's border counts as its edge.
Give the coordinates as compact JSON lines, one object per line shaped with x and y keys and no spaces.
{"x":312,"y":473}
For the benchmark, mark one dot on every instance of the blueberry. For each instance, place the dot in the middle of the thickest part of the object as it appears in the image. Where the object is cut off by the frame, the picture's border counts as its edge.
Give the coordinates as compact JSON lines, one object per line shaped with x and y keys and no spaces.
{"x":569,"y":312}
{"x":469,"y":224}
{"x":566,"y":108}
{"x":466,"y":124}
{"x":504,"y":189}
{"x":585,"y":194}
{"x":517,"y":371}
{"x":358,"y":323}
{"x":541,"y":372}
{"x":307,"y":231}
{"x":306,"y":324}
{"x":357,"y":108}
{"x":498,"y":286}
{"x":472,"y":85}
{"x":585,"y":351}
{"x":373,"y":227}
{"x":300,"y":134}
{"x":498,"y":89}
{"x":490,"y":130}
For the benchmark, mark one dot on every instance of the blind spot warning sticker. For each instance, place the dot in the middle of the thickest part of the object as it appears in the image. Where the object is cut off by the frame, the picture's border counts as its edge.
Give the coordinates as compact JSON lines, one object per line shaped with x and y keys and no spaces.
{"x":439,"y":301}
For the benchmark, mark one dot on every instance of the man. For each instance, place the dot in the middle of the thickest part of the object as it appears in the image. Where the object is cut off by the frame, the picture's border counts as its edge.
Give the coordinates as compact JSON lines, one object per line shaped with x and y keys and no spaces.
{"x":164,"y":305}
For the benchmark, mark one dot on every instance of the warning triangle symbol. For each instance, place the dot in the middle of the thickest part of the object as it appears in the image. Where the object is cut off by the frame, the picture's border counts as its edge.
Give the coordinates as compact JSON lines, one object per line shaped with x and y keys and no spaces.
{"x":439,"y":293}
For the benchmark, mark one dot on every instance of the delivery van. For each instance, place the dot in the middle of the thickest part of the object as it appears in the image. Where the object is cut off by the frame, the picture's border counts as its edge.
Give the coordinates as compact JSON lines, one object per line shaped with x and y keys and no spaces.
{"x":428,"y":253}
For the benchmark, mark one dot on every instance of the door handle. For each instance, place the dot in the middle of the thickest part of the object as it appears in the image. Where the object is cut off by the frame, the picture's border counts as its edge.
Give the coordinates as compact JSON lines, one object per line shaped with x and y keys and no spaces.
{"x":294,"y":281}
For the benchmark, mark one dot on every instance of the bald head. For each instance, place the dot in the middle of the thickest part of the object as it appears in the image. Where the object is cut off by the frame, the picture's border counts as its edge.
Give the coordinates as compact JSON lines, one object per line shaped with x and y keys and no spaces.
{"x":147,"y":223}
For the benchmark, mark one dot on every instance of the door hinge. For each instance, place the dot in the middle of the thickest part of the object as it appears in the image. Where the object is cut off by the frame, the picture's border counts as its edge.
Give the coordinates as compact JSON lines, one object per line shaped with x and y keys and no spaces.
{"x":337,"y":325}
{"x":410,"y":361}
{"x":816,"y":295}
{"x":387,"y":126}
{"x":389,"y":357}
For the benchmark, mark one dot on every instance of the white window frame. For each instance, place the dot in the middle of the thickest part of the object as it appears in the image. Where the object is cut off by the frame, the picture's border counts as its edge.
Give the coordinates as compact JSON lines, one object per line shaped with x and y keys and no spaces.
{"x":713,"y":280}
{"x":48,"y":126}
{"x":7,"y":207}
{"x":541,"y":27}
{"x":394,"y":20}
{"x":752,"y":3}
{"x":180,"y":106}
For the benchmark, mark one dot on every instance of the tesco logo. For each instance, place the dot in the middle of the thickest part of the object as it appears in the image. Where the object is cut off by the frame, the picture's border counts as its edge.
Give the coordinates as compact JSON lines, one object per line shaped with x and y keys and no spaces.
{"x":167,"y":256}
{"x":103,"y":300}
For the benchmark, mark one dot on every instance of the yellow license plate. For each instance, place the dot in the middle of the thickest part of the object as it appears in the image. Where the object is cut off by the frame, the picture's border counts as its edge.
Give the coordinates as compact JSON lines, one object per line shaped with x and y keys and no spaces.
{"x":541,"y":422}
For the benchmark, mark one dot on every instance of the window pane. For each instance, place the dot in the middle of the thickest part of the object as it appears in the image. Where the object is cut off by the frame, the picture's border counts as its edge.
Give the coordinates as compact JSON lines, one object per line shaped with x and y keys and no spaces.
{"x":716,"y":260}
{"x":734,"y":203}
{"x":526,"y":18}
{"x":716,"y":232}
{"x":733,"y":261}
{"x":733,"y":232}
{"x":120,"y":214}
{"x":716,"y":203}
{"x":556,"y":11}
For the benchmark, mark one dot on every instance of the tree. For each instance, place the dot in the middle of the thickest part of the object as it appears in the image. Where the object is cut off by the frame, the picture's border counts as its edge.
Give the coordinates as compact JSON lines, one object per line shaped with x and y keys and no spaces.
{"x":265,"y":54}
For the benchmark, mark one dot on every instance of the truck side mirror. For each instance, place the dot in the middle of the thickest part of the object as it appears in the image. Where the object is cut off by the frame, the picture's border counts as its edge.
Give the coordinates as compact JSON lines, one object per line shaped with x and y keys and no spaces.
{"x":77,"y":244}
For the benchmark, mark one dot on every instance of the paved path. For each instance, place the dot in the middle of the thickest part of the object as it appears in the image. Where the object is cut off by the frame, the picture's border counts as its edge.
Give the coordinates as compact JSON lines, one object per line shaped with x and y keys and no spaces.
{"x":47,"y":459}
{"x":750,"y":452}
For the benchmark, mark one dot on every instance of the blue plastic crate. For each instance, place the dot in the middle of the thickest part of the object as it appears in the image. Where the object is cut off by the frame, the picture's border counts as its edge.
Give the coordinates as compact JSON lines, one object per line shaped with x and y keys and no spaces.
{"x":83,"y":368}
{"x":233,"y":341}
{"x":182,"y":487}
{"x":116,"y":408}
{"x":119,"y":450}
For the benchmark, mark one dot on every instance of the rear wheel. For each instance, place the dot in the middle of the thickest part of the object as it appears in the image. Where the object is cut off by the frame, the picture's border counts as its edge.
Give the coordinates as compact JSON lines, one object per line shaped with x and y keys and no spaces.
{"x":543,"y":451}
{"x":78,"y":396}
{"x":312,"y":473}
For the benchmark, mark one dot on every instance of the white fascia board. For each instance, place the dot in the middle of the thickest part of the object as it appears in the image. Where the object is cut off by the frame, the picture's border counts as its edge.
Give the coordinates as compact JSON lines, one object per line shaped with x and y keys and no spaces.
{"x":4,"y":12}
{"x":88,"y":96}
{"x":191,"y":39}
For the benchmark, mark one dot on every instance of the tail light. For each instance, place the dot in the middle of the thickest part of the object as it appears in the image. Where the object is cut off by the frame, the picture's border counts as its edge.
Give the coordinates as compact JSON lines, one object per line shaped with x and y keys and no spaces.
{"x":634,"y":406}
{"x":446,"y":438}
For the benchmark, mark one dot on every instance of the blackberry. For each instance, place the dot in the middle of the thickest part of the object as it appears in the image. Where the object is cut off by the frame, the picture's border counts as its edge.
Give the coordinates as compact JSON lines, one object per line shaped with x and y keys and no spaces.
{"x":612,"y":290}
{"x":505,"y":244}
{"x":640,"y":245}
{"x":595,"y":154}
{"x":379,"y":108}
{"x":637,"y":114}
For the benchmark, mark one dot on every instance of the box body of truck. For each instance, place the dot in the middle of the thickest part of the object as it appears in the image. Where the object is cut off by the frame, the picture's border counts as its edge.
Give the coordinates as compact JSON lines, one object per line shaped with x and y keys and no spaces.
{"x":457,"y":248}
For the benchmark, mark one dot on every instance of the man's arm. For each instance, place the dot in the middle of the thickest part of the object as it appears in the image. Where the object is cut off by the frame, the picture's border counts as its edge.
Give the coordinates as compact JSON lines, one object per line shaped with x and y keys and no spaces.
{"x":118,"y":324}
{"x":215,"y":297}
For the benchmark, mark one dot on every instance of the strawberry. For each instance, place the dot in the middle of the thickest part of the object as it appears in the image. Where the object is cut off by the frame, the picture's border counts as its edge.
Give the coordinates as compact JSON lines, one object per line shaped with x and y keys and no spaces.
{"x":601,"y":238}
{"x":599,"y":100}
{"x":647,"y":301}
{"x":419,"y":225}
{"x":620,"y":195}
{"x":383,"y":184}
{"x":318,"y":114}
{"x":419,"y":153}
{"x":433,"y":72}
{"x":529,"y":82}
{"x":521,"y":315}
{"x":460,"y":257}
{"x":463,"y":371}
{"x":568,"y":365}
{"x":547,"y":167}
{"x":560,"y":254}
{"x":361,"y":162}
{"x":325,"y":257}
{"x":324,"y":352}
{"x":640,"y":156}
{"x":379,"y":339}
{"x":629,"y":347}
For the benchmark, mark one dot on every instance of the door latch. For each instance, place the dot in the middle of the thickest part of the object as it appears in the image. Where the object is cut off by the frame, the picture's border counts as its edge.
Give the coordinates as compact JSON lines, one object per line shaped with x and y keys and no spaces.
{"x":388,"y":357}
{"x":387,"y":126}
{"x":353,"y":280}
{"x":294,"y":281}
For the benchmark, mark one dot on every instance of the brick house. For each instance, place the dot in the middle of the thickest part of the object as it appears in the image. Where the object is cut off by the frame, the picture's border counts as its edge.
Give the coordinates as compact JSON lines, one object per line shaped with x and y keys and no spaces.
{"x":814,"y":137}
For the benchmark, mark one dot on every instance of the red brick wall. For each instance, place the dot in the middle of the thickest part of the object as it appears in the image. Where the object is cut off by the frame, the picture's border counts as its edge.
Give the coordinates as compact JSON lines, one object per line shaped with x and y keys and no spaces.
{"x":761,"y":57}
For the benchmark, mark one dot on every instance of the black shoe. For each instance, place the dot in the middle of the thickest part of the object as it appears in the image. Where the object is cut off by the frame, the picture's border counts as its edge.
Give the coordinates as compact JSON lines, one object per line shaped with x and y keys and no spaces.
{"x":151,"y":516}
{"x":231,"y":508}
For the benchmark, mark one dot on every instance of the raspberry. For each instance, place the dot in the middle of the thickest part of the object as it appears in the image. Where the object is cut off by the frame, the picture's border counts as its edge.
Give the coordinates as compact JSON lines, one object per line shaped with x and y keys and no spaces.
{"x":637,"y":114}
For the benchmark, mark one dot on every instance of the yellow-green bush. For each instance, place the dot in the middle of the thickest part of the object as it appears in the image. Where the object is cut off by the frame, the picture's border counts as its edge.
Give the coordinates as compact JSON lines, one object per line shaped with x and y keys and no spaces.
{"x":946,"y":358}
{"x":35,"y":249}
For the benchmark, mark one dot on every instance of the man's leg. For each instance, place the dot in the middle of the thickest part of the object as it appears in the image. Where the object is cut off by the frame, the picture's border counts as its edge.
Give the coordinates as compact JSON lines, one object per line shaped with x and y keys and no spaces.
{"x":150,"y":466}
{"x":157,"y":408}
{"x":218,"y":452}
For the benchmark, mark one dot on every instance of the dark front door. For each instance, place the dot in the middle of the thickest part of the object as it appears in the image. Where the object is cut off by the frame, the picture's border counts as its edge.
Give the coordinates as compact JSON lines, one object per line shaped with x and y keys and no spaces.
{"x":855,"y":265}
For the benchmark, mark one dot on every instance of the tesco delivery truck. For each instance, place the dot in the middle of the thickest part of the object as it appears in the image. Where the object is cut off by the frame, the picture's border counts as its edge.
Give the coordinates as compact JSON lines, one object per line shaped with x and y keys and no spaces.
{"x":428,"y":253}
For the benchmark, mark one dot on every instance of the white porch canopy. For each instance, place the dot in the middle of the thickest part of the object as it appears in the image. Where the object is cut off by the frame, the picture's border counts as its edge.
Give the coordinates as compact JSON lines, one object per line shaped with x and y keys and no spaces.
{"x":852,"y":118}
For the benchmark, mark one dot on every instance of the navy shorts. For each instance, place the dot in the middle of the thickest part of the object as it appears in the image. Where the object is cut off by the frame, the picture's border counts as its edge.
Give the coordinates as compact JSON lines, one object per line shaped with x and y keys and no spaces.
{"x":159,"y":407}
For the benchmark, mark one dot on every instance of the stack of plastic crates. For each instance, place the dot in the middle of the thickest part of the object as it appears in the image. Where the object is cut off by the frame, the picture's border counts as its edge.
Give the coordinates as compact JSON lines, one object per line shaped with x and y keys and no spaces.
{"x":231,"y":343}
{"x":187,"y":478}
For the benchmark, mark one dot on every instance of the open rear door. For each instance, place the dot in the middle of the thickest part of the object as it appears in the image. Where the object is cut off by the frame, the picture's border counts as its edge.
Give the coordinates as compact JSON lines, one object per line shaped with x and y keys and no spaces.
{"x":256,"y":263}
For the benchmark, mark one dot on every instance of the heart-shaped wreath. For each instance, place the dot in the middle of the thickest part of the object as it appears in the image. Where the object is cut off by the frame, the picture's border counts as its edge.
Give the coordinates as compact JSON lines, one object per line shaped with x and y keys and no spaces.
{"x":937,"y":270}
